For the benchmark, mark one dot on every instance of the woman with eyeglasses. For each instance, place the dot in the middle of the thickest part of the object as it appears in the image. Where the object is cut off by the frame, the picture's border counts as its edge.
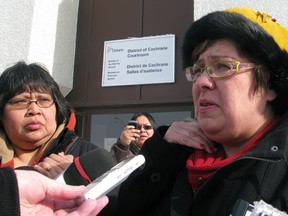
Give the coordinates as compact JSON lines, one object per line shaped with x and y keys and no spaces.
{"x":132,"y":139}
{"x":36,"y":122}
{"x":237,"y":63}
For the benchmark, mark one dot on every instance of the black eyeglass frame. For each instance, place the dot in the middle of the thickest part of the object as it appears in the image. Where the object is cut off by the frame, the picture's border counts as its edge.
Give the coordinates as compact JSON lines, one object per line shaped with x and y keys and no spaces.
{"x":28,"y":103}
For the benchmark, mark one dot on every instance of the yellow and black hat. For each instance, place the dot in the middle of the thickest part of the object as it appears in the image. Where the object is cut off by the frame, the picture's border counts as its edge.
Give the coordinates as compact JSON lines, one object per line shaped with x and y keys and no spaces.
{"x":267,"y":22}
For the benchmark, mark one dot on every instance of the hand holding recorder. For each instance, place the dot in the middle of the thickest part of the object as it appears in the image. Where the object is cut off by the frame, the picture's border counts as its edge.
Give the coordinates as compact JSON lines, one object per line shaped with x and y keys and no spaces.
{"x":114,"y":177}
{"x":96,"y":170}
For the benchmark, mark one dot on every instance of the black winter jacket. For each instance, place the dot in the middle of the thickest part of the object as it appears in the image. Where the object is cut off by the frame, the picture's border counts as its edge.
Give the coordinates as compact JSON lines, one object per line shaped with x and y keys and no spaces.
{"x":9,"y":199}
{"x":69,"y":143}
{"x":162,"y":187}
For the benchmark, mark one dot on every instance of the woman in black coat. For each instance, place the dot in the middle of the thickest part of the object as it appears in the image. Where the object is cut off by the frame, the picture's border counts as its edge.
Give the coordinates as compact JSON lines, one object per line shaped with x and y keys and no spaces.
{"x":237,"y":147}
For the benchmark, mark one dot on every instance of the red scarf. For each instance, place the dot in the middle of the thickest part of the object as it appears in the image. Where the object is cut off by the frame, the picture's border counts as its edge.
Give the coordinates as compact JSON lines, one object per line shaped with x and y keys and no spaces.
{"x":201,"y":165}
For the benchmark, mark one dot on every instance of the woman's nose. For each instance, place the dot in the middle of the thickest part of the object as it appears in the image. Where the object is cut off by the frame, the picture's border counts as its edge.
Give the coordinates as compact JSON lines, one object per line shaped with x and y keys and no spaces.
{"x":204,"y":81}
{"x":33,"y":109}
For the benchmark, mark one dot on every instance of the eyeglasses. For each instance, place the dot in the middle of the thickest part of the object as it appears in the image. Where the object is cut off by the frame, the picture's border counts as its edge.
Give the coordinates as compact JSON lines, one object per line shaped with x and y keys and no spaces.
{"x":25,"y":103}
{"x":217,"y":69}
{"x":146,"y":127}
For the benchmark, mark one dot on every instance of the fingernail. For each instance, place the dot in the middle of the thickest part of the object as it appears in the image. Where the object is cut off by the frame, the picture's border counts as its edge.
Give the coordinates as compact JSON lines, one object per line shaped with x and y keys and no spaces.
{"x":210,"y":150}
{"x":202,"y":146}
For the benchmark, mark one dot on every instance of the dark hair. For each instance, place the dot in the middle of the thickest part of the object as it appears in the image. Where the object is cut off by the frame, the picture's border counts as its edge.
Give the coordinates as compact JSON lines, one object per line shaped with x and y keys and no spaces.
{"x":148,"y":116}
{"x":33,"y":77}
{"x":251,"y":40}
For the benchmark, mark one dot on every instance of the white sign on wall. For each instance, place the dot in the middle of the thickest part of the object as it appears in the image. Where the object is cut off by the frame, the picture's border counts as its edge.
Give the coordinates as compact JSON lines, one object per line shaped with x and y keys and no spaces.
{"x":146,"y":60}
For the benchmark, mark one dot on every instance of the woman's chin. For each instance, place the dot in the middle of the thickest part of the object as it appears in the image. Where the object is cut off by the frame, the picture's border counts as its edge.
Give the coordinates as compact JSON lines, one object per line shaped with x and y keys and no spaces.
{"x":209,"y":126}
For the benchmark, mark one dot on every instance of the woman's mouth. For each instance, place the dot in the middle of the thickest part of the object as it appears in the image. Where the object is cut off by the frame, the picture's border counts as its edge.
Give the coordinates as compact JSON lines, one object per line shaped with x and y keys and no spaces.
{"x":33,"y":126}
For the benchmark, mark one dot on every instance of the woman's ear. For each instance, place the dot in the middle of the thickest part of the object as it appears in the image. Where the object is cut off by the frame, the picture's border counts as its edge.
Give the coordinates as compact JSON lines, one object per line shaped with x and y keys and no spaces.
{"x":271,"y":95}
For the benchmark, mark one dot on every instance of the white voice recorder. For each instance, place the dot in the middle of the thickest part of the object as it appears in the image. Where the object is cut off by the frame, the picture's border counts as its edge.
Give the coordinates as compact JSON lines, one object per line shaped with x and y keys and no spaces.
{"x":112,"y":178}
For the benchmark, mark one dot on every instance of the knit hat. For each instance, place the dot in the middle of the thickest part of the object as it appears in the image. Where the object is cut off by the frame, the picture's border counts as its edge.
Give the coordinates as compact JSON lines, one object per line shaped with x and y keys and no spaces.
{"x":269,"y":23}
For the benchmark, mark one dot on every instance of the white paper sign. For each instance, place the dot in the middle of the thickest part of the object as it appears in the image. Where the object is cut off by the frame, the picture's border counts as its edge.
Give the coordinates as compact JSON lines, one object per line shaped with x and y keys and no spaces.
{"x":146,"y":60}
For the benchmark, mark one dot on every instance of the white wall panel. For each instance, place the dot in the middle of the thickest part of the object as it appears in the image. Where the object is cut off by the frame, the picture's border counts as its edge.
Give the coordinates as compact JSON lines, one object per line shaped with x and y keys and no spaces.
{"x":40,"y":31}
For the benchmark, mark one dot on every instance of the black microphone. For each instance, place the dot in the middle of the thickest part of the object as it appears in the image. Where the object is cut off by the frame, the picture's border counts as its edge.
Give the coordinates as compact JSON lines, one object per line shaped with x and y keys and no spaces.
{"x":87,"y":167}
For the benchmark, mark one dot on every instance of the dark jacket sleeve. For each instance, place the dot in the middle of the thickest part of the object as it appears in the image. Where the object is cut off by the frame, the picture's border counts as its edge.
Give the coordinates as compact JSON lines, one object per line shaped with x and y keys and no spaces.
{"x":120,"y":151}
{"x":9,"y":198}
{"x":152,"y":185}
{"x":81,"y":146}
{"x":69,"y":143}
